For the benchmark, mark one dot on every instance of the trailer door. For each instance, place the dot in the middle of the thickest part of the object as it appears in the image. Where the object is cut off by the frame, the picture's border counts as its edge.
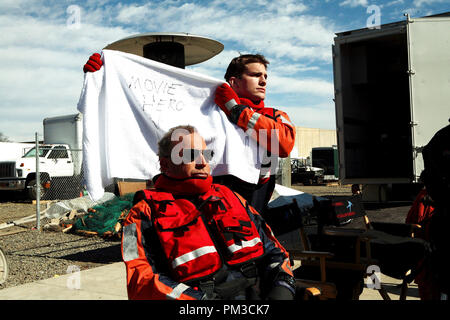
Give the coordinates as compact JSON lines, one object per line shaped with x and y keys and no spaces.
{"x":372,"y":106}
{"x":429,"y":69}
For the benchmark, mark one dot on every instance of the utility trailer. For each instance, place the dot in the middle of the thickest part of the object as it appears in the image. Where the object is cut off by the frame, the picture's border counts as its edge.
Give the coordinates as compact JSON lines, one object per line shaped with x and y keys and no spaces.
{"x":392,"y":93}
{"x":326,"y":158}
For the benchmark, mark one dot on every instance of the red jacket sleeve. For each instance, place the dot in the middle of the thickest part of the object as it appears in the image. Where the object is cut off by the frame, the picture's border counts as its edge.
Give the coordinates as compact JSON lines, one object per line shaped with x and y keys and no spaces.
{"x":147,"y":278}
{"x":267,"y":124}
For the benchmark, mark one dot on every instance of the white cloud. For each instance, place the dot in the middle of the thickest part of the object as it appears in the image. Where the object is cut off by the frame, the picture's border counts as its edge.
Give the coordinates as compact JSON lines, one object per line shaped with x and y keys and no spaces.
{"x":319,"y":87}
{"x":10,"y":4}
{"x":216,"y":66}
{"x":39,"y":33}
{"x":278,"y":67}
{"x":413,"y":12}
{"x":314,"y":116}
{"x":270,"y":28}
{"x":29,"y":94}
{"x":354,"y":3}
{"x":134,"y":12}
{"x":287,"y":7}
{"x":420,"y":3}
{"x":42,"y":61}
{"x":393,"y":3}
{"x":42,"y":58}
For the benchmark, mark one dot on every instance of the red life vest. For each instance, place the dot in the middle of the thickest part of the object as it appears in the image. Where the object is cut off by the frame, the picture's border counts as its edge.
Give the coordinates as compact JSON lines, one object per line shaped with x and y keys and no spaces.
{"x":197,"y":241}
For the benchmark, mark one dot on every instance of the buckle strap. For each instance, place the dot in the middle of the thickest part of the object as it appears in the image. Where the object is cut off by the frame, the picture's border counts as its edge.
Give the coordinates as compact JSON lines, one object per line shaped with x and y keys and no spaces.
{"x":207,"y":287}
{"x":220,"y":287}
{"x":249,"y":270}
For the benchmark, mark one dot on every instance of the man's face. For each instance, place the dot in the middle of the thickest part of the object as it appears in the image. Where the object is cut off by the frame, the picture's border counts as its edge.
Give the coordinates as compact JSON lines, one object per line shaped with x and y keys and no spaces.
{"x":252,"y":83}
{"x":187,"y":159}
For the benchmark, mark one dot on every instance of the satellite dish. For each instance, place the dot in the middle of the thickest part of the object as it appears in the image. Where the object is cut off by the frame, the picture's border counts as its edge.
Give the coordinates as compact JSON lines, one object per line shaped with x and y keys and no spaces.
{"x":196,"y":48}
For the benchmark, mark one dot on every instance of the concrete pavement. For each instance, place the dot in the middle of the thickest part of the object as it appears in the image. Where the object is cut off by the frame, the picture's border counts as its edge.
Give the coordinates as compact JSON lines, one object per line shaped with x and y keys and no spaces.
{"x":108,"y":283}
{"x":101,"y":283}
{"x":392,"y":288}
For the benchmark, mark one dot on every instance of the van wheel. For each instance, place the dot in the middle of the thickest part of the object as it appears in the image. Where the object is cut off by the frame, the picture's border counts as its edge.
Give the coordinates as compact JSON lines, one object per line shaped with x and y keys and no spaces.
{"x":32,"y":191}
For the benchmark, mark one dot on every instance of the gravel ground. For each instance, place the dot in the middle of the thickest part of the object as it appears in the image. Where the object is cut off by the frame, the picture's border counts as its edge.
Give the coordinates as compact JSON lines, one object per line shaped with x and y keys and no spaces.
{"x":35,"y":255}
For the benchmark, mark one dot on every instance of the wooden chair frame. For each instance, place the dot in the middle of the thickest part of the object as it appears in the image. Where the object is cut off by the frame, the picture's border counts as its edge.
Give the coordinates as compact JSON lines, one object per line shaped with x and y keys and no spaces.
{"x":326,"y":290}
{"x":363,"y":236}
{"x":322,"y":259}
{"x":412,"y":230}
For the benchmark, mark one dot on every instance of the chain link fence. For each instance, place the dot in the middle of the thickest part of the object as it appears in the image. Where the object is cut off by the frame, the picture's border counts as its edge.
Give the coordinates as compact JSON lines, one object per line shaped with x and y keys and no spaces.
{"x":61,"y":175}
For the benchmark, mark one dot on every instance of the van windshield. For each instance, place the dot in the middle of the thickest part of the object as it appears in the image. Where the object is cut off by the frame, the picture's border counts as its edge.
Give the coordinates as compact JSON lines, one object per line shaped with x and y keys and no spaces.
{"x":32,"y":153}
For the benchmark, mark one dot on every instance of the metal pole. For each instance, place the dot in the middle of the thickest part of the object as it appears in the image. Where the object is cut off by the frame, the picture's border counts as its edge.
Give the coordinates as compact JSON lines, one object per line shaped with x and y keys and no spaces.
{"x":286,"y":172}
{"x":38,"y":187}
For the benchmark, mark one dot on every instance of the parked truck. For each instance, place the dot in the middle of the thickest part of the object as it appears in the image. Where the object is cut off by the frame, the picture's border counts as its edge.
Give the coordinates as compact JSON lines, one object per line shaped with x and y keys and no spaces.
{"x":60,"y":160}
{"x":303,"y":172}
{"x":391,"y":96}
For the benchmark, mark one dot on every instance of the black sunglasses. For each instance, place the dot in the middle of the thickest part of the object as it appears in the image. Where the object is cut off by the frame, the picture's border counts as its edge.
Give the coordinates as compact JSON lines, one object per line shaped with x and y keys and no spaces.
{"x":190,"y":155}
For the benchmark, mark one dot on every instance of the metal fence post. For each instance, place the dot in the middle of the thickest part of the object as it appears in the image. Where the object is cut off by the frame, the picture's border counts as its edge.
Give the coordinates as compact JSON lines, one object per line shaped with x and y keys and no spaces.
{"x":286,"y":172}
{"x":38,"y":187}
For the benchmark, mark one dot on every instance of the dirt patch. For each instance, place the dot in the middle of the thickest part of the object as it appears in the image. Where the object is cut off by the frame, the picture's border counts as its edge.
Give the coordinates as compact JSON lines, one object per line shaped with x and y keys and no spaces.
{"x":14,"y":206}
{"x":323,"y":190}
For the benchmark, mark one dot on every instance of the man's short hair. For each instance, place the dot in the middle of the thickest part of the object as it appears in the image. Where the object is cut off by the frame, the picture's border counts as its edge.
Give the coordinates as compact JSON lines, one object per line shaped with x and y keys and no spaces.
{"x":237,"y":66}
{"x":166,"y":144}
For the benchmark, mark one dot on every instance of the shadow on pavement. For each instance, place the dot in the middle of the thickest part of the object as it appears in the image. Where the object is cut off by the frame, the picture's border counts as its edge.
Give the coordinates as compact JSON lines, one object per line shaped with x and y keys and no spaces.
{"x":103,"y":255}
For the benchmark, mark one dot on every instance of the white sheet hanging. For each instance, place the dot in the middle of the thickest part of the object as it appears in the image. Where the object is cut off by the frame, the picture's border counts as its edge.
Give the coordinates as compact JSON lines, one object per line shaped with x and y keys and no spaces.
{"x":132,"y":101}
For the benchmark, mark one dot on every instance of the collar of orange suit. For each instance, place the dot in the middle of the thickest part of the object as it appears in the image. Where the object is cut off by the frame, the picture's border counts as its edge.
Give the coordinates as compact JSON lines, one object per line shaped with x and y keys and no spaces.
{"x":188,"y":186}
{"x":251,"y":104}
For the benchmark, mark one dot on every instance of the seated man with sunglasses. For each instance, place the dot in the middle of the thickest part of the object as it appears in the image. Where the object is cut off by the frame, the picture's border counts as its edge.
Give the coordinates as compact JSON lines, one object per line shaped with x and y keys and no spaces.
{"x":190,"y":239}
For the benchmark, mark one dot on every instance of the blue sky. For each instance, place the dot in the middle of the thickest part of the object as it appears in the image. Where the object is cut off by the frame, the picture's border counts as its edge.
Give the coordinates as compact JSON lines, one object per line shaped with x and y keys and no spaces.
{"x":44,"y":46}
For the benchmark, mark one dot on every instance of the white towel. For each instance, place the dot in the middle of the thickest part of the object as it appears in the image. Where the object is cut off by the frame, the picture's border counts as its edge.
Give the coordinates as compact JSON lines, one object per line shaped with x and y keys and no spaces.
{"x":132,"y":101}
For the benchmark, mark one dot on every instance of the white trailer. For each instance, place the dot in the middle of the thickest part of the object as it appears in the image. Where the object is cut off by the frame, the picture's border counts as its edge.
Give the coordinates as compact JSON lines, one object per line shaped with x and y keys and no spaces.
{"x":66,"y":130}
{"x":10,"y":151}
{"x":391,"y":96}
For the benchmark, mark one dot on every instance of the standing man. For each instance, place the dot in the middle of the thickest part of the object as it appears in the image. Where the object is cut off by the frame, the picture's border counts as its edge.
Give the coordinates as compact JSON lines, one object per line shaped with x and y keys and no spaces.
{"x":242,"y":100}
{"x":191,"y":239}
{"x":436,"y":178}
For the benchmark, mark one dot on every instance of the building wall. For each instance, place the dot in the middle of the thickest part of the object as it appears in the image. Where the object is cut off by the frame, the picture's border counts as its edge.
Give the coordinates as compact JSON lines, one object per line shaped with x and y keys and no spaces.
{"x":308,"y":138}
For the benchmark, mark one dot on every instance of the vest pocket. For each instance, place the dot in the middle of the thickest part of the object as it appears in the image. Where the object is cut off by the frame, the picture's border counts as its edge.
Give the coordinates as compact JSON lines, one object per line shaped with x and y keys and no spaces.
{"x":240,"y":236}
{"x":187,"y":245}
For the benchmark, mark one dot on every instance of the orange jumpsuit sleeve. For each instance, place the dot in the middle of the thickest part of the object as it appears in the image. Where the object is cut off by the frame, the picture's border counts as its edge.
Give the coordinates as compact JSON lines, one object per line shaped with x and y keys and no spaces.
{"x":265,"y":125}
{"x":146,"y":271}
